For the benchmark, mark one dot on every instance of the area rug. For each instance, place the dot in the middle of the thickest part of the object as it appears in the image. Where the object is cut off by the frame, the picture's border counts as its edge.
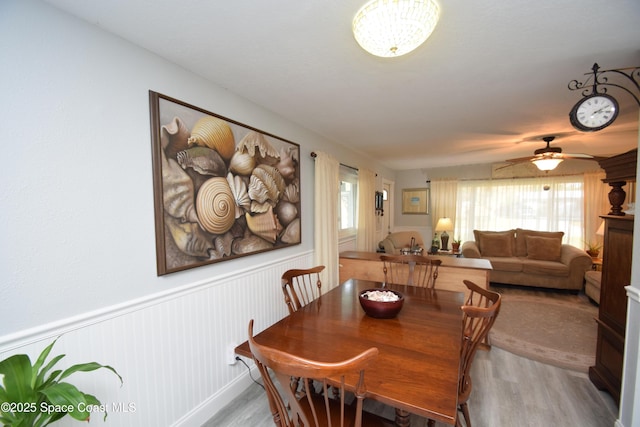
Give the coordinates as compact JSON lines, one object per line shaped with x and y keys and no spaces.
{"x":555,"y":332}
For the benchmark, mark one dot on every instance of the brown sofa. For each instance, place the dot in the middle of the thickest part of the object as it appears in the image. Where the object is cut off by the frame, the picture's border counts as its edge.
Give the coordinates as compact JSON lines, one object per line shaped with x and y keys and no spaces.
{"x":530,"y":258}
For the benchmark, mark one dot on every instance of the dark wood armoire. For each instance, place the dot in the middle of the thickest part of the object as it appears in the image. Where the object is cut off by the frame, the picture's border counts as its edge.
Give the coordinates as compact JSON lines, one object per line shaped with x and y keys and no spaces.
{"x":606,"y":374}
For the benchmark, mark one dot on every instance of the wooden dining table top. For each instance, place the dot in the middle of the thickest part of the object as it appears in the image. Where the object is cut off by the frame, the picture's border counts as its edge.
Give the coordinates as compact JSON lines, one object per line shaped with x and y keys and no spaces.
{"x":419,"y":350}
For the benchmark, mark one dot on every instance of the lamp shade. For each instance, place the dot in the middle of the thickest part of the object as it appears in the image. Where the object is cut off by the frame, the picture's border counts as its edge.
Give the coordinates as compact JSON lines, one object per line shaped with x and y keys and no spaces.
{"x":444,"y":224}
{"x":389,"y":28}
{"x":547,"y":163}
{"x":600,"y":231}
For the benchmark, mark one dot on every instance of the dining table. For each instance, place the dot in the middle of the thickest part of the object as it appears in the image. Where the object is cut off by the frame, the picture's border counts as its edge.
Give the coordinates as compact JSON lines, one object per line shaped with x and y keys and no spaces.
{"x":417,"y":368}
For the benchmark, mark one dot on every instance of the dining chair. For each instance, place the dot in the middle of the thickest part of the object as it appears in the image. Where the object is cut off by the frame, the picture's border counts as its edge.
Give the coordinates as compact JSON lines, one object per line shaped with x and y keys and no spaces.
{"x":479,"y":314}
{"x":299,"y":403}
{"x":301,"y":286}
{"x":414,"y":270}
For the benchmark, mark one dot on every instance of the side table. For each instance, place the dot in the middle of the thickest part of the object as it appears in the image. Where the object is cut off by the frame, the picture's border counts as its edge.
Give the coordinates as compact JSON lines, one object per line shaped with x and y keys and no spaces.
{"x":456,"y":254}
{"x":596,"y":264}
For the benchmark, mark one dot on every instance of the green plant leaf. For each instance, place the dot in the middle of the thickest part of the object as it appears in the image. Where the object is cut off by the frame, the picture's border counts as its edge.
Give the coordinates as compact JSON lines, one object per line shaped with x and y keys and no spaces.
{"x":92,"y":400}
{"x":49,"y":380}
{"x":68,"y":398}
{"x":43,"y":372}
{"x":3,"y":395}
{"x":40,"y":361}
{"x":17,"y":373}
{"x":87,"y":367}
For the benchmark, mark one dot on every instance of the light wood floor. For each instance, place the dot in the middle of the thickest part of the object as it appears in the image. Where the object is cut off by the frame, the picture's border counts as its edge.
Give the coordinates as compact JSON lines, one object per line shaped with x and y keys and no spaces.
{"x":509,"y":391}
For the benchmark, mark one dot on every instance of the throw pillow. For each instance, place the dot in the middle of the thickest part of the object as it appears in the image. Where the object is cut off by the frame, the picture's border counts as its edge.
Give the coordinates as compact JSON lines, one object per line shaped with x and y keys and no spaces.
{"x":521,"y":238}
{"x":496,"y":245}
{"x":495,"y":242}
{"x":544,"y":248}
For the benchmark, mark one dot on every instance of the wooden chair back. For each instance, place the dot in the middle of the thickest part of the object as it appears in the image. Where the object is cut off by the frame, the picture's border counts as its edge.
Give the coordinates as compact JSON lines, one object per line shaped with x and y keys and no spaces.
{"x":414,"y":270}
{"x":308,"y":406}
{"x":479,"y":314}
{"x":301,"y":286}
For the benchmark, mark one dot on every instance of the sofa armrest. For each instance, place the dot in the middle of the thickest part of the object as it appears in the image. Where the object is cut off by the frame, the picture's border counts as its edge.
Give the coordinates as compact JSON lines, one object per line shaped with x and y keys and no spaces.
{"x":470,"y":249}
{"x":389,"y":247}
{"x":572,"y":255}
{"x":578,"y":262}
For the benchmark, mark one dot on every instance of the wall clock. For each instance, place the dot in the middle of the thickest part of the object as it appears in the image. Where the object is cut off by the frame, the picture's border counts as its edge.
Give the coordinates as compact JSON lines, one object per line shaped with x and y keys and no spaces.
{"x":594,"y":112}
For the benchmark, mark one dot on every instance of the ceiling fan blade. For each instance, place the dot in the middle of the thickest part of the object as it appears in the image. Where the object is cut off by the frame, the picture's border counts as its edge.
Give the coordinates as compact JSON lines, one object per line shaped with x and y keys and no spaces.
{"x":521,"y":159}
{"x":505,"y":166}
{"x":577,"y":156}
{"x":550,"y":136}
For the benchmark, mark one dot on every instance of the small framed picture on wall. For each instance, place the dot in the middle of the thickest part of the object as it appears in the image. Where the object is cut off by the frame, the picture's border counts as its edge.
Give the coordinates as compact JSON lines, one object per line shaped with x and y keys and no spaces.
{"x":415,"y":201}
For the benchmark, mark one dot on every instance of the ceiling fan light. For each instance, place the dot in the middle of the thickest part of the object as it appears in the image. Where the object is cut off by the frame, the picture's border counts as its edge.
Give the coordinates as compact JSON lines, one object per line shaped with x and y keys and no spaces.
{"x":390,"y":28}
{"x":546,"y":164}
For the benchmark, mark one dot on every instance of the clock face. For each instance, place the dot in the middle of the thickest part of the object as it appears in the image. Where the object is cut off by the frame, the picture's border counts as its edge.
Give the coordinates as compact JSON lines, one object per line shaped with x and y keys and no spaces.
{"x":594,"y":112}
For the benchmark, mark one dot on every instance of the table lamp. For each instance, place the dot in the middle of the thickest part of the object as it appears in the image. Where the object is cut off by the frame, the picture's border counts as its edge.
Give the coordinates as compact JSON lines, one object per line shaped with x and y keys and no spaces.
{"x":443,"y":225}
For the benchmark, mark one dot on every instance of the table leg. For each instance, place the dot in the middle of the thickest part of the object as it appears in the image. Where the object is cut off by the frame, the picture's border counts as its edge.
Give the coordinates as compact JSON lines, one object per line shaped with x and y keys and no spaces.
{"x":402,"y":418}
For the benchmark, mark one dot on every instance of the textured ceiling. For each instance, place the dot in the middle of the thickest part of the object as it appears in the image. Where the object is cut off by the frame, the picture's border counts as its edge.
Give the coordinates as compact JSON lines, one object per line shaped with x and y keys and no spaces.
{"x":486,"y":86}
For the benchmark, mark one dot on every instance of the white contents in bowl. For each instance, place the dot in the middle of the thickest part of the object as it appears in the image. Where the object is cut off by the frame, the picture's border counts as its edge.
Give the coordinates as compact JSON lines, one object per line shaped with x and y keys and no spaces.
{"x":384,"y":296}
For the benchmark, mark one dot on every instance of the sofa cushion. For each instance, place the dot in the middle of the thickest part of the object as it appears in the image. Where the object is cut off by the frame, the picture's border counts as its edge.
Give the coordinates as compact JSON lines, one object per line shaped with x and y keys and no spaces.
{"x":495,"y":243}
{"x":544,"y":248}
{"x":511,"y":264}
{"x":547,"y":268}
{"x":521,"y":238}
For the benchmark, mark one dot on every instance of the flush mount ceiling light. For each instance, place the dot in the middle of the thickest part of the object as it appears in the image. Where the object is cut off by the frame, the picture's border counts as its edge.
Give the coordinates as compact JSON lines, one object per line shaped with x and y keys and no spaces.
{"x":390,"y":28}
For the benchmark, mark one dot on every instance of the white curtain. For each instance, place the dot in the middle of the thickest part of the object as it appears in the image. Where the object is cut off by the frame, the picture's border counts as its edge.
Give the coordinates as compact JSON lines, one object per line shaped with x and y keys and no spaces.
{"x":366,"y":228}
{"x":596,"y":203}
{"x":544,"y":204}
{"x":444,"y":196}
{"x":327,"y":195}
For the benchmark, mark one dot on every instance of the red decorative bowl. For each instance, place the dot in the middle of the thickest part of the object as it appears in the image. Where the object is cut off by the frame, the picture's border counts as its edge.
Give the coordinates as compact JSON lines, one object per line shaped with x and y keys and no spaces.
{"x":381,"y":309}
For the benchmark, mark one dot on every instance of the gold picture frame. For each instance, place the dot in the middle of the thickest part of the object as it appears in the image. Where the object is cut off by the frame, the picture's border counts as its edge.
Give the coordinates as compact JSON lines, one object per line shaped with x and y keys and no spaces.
{"x":415,"y":201}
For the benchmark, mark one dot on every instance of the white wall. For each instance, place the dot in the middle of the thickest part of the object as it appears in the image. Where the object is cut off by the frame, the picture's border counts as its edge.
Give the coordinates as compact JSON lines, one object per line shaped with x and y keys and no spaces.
{"x":77,"y":243}
{"x":630,"y":394}
{"x":77,"y":194}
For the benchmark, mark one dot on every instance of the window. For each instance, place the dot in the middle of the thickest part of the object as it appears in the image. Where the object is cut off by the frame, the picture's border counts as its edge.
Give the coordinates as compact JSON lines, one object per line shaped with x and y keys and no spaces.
{"x":348,"y":201}
{"x":544,"y":204}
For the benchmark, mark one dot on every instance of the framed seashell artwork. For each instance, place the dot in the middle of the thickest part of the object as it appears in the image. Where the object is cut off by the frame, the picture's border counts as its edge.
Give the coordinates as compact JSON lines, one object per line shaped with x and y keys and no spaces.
{"x":222,"y":189}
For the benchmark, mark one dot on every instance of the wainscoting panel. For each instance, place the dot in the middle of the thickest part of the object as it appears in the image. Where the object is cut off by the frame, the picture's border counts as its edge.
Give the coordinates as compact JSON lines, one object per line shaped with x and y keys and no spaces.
{"x":171,"y":348}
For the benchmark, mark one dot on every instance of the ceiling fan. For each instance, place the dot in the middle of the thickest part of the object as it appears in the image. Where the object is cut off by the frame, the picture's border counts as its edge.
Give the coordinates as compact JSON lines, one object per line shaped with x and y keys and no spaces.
{"x":548,"y":158}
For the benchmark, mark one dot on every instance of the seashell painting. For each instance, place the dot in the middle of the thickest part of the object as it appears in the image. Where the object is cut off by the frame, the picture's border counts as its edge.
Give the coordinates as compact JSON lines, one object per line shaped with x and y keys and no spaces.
{"x":256,"y":145}
{"x":203,"y":160}
{"x":214,"y":133}
{"x":292,"y":192}
{"x":240,"y":194}
{"x":174,"y":136}
{"x":264,"y":225}
{"x":215,"y":200}
{"x":286,"y":212}
{"x":291,"y":234}
{"x":177,"y":195}
{"x":189,"y":238}
{"x":250,"y":244}
{"x":257,"y":207}
{"x":223,"y":244}
{"x":242,"y":163}
{"x":287,"y":165}
{"x":266,"y":184}
{"x":215,"y":206}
